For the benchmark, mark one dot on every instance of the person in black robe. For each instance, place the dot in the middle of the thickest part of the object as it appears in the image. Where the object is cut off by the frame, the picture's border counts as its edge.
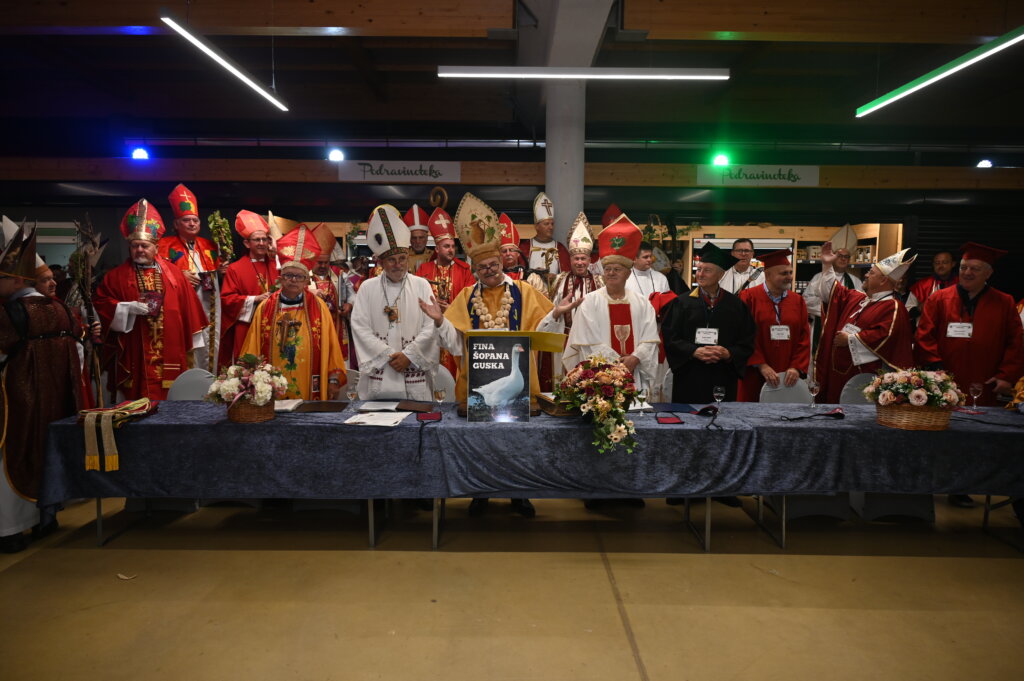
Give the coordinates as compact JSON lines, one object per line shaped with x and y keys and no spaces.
{"x":709,"y":334}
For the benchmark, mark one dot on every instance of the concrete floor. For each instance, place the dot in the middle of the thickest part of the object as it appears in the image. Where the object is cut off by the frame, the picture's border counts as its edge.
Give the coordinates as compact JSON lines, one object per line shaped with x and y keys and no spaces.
{"x":237,"y":593}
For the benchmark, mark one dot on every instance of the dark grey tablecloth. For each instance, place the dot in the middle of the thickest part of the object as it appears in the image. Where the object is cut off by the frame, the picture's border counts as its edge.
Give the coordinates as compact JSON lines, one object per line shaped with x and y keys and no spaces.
{"x":190,"y":450}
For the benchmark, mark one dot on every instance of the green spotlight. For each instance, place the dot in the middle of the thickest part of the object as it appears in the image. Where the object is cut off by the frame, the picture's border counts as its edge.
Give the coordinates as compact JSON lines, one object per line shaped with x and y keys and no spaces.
{"x":720,"y":160}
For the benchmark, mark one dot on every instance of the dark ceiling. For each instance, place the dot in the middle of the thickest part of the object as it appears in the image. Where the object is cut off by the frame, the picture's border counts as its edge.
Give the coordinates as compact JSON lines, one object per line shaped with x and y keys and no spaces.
{"x":86,"y":95}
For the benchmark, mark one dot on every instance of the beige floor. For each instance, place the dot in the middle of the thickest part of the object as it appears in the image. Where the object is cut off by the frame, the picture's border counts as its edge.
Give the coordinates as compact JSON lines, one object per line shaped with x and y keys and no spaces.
{"x":236,"y":593}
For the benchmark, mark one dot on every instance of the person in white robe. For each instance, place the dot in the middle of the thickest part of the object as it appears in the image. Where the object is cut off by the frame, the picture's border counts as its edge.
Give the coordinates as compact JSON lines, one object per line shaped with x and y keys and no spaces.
{"x":615,"y":322}
{"x":395,"y":341}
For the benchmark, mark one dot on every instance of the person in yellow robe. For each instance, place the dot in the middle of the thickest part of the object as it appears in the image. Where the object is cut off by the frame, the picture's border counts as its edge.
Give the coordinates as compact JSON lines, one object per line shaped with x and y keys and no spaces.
{"x":294,"y":330}
{"x":495,"y":302}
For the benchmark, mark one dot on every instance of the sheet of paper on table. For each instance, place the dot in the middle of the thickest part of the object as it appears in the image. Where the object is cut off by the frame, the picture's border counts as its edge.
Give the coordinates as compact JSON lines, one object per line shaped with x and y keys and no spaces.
{"x":380,"y":418}
{"x":286,"y":405}
{"x":378,"y":406}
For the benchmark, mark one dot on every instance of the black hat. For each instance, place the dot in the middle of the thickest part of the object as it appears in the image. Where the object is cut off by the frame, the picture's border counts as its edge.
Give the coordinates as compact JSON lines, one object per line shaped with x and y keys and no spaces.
{"x":716,"y":256}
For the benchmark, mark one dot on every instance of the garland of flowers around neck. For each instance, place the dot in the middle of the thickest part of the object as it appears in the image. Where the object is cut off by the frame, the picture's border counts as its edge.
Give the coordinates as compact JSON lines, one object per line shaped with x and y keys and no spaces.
{"x":391,"y":309}
{"x":489,"y":321}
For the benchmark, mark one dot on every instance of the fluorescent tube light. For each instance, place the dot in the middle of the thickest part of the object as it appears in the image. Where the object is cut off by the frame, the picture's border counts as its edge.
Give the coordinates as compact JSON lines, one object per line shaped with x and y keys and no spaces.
{"x":213,"y":53}
{"x":584,"y":73}
{"x":958,"y":64}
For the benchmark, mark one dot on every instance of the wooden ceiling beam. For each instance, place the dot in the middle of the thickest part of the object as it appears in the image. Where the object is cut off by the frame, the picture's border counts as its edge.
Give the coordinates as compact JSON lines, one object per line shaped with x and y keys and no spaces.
{"x":485,"y":173}
{"x":865,"y":21}
{"x":393,"y":18}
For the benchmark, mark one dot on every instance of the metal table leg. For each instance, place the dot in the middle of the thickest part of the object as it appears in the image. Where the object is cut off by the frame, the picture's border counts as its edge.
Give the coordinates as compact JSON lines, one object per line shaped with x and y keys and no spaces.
{"x":438,"y":518}
{"x":989,"y":507}
{"x":705,"y":538}
{"x":99,"y":522}
{"x":372,"y":522}
{"x":780,"y":536}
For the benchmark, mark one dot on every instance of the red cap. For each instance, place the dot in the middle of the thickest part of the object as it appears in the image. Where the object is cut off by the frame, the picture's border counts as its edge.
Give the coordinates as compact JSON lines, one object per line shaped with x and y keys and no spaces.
{"x":619,"y":241}
{"x":441,"y":225}
{"x":973,"y":251}
{"x":610,"y":215}
{"x":247,"y":222}
{"x":509,"y":233}
{"x":142,"y":222}
{"x":183,"y":202}
{"x":416,"y":218}
{"x":776,"y":258}
{"x":298,"y":247}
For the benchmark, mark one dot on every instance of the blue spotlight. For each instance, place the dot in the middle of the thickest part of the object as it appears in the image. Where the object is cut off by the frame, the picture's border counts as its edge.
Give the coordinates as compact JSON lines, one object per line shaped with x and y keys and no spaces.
{"x":140,"y":154}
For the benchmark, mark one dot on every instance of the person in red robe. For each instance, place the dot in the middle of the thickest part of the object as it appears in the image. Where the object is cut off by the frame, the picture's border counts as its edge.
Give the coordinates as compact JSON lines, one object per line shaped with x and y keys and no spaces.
{"x":862,"y":331}
{"x":782,"y":346}
{"x":972,"y":330}
{"x":197,"y":257}
{"x":150,"y":312}
{"x":943,"y":277}
{"x":247,"y":283}
{"x":447,"y":274}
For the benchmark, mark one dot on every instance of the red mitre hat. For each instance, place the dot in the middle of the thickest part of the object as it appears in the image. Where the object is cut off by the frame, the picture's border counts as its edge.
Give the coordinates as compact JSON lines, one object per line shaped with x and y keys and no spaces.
{"x":142,"y":222}
{"x":619,"y":242}
{"x":416,"y":218}
{"x":298,"y":247}
{"x":973,"y":251}
{"x":610,"y":215}
{"x":776,"y":258}
{"x":247,"y":222}
{"x":509,"y":233}
{"x":441,"y":225}
{"x":183,"y":202}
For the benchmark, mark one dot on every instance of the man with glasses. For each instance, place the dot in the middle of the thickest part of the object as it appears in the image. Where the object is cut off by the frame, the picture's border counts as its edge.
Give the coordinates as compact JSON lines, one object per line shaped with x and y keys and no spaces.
{"x":742,"y":276}
{"x":395,"y":341}
{"x":496,"y":303}
{"x":247,"y":283}
{"x":293,"y":330}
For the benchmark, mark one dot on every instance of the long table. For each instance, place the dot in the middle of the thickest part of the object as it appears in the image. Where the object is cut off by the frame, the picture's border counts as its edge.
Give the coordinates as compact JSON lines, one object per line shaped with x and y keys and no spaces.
{"x":190,"y":450}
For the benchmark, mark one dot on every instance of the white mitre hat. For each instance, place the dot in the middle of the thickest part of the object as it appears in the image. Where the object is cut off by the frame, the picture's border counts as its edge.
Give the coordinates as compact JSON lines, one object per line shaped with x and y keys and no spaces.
{"x":896,"y":265}
{"x":580,"y":239}
{"x":386,"y":233}
{"x":845,"y":239}
{"x":542,"y":208}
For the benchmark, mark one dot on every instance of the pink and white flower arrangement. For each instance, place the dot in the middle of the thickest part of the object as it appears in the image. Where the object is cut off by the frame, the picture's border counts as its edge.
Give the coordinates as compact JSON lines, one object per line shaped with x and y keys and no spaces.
{"x":252,"y":379}
{"x":914,"y":387}
{"x":604,"y":389}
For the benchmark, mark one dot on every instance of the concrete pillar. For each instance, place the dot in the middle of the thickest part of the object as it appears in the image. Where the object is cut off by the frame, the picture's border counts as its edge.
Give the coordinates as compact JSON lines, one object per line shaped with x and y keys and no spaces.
{"x":563,"y":158}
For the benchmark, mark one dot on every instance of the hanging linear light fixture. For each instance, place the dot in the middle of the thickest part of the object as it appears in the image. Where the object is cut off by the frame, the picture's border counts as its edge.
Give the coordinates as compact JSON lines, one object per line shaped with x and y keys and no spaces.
{"x":584,"y":73}
{"x":213,"y":53}
{"x":958,"y":64}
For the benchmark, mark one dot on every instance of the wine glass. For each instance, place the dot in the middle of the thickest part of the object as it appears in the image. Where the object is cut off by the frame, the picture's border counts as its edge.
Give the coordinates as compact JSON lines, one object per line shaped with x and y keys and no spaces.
{"x":352,"y":393}
{"x":718,"y":392}
{"x":814,"y":388}
{"x":975,"y":390}
{"x":439,"y":395}
{"x":622,"y":332}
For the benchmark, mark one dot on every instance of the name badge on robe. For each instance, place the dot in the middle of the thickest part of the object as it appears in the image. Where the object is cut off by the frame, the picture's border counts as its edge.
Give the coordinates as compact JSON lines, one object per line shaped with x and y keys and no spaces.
{"x":959,"y":330}
{"x":851,"y":329}
{"x":707,"y":336}
{"x":780,"y":332}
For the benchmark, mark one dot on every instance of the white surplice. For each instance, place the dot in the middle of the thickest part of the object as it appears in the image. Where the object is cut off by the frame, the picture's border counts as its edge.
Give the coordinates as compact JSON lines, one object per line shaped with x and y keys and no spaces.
{"x":376,"y":339}
{"x":591,"y":333}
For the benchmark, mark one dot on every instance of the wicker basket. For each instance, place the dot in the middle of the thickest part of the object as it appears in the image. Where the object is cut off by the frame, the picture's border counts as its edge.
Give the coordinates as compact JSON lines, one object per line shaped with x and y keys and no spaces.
{"x":908,"y":417}
{"x":244,"y":411}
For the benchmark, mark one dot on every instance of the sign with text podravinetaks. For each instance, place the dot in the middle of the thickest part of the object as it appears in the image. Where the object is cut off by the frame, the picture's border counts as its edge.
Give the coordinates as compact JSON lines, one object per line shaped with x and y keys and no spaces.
{"x":757,"y":176}
{"x":433,"y":172}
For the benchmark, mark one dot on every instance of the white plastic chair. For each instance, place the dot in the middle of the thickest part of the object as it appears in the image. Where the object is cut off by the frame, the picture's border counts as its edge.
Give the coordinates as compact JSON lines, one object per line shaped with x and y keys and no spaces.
{"x":190,"y":385}
{"x":443,"y":380}
{"x":853,"y":391}
{"x":795,"y":394}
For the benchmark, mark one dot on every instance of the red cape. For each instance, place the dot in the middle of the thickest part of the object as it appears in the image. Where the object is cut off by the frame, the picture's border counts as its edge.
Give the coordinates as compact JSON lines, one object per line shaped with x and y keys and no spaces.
{"x":241,"y":280}
{"x":183,"y":317}
{"x":778,"y":354}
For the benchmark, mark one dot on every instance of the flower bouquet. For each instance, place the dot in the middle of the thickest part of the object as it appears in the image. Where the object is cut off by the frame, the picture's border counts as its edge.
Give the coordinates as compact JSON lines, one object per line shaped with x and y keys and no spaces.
{"x":914,"y":399}
{"x":249,"y":388}
{"x":603,"y":390}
